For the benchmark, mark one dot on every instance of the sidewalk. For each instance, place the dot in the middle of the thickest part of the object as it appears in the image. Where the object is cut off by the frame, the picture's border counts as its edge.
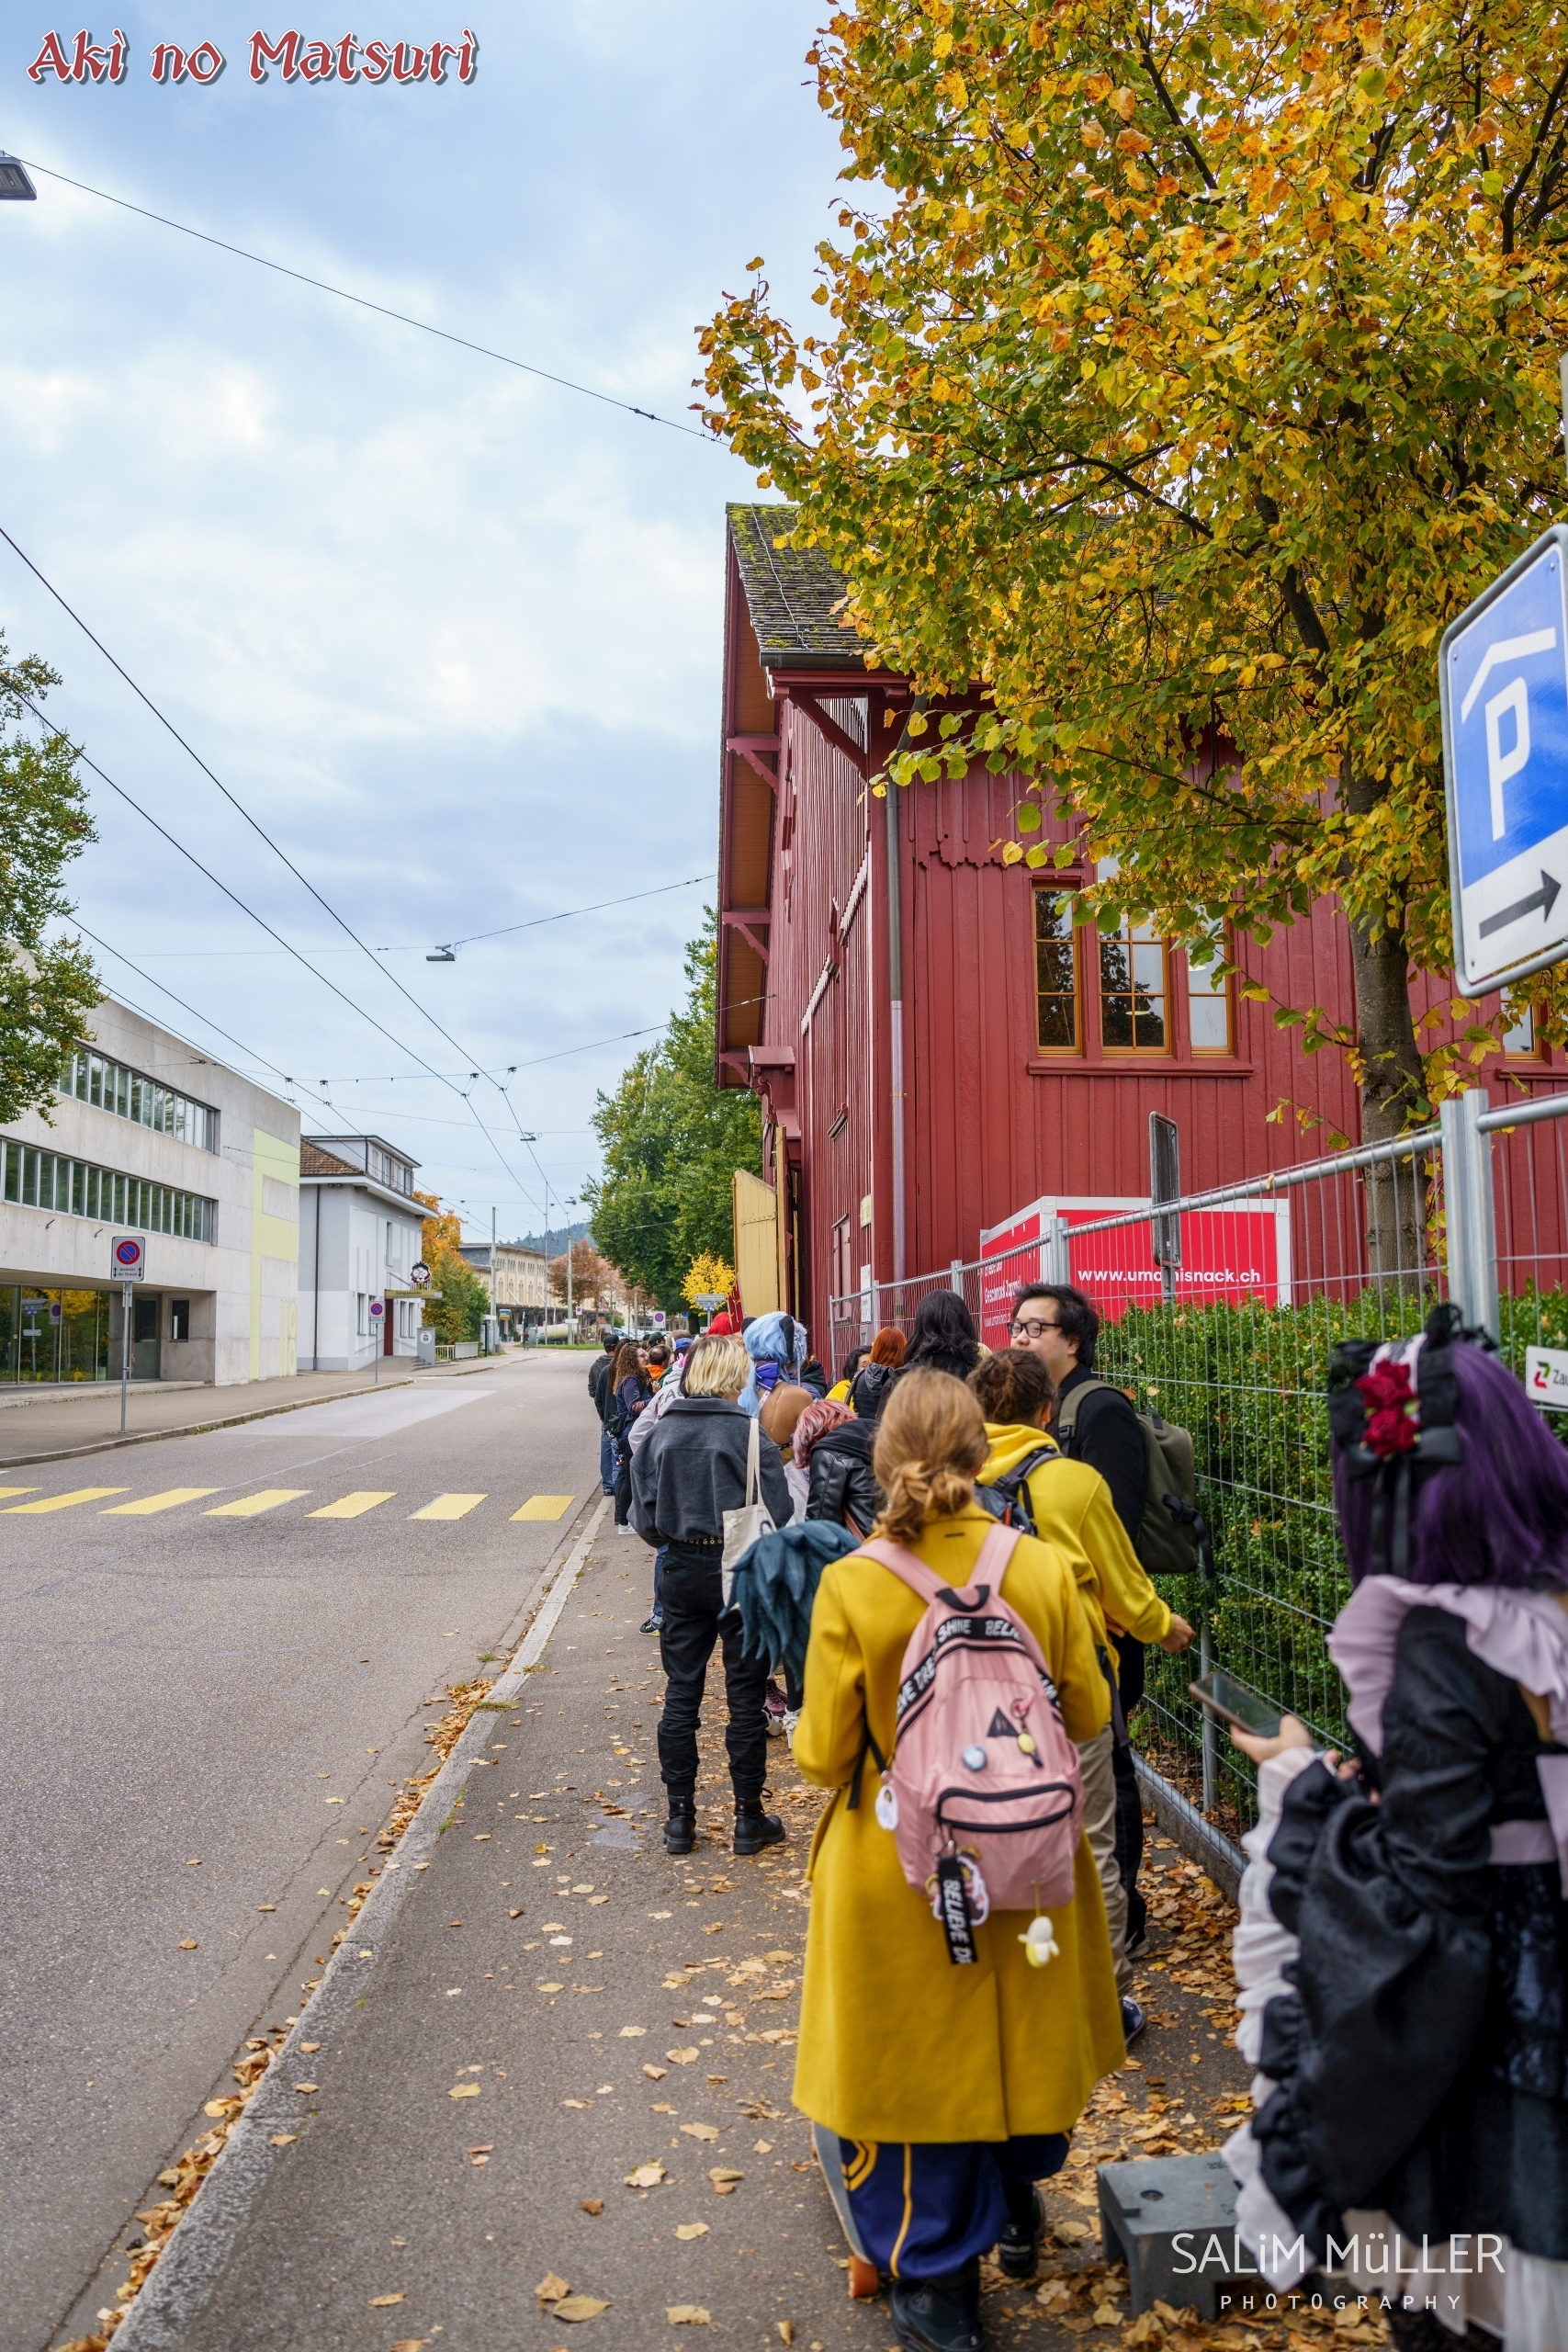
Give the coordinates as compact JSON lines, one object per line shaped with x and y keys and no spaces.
{"x":58,"y":1424}
{"x":568,"y":2059}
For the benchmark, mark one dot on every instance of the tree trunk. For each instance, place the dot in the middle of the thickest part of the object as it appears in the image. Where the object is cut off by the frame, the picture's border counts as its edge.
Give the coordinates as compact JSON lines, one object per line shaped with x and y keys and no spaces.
{"x":1394,"y":1100}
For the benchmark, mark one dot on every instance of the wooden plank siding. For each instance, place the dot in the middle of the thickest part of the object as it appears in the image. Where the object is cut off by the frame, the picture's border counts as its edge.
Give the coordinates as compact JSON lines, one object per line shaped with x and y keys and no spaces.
{"x":991,"y":1121}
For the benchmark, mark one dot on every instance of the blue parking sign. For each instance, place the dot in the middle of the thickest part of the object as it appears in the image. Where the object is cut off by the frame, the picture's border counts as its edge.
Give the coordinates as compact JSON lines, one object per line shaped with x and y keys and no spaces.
{"x":1503,"y":671}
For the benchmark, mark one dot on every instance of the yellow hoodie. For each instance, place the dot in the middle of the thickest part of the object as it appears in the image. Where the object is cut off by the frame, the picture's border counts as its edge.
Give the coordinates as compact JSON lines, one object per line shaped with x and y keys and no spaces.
{"x":1073,"y":1509}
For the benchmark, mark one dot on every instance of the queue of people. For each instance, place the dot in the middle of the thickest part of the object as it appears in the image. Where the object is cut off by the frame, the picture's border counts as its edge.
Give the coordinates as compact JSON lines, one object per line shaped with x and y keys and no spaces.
{"x":970,"y":1614}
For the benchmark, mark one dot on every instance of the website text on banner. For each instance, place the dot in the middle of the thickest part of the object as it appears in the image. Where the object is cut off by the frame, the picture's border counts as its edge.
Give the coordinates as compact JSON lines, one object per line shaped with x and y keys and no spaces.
{"x":1229,"y":1256}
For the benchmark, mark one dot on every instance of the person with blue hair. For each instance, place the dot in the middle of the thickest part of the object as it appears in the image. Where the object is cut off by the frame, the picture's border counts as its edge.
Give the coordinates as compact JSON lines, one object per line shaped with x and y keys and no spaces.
{"x":776,"y":1345}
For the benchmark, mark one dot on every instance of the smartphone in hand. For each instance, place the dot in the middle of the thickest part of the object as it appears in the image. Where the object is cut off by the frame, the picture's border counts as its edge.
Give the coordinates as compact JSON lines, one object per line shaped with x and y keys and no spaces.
{"x":1236,"y":1703}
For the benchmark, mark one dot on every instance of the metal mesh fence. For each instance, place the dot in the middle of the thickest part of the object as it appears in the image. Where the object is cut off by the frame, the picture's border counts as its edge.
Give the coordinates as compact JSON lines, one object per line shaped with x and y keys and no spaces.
{"x":1233,"y":1343}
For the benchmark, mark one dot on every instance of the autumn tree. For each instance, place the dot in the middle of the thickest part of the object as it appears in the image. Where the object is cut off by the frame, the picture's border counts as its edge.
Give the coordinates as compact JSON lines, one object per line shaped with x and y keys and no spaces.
{"x":1183,"y":371}
{"x":48,"y":988}
{"x":672,"y":1140}
{"x":709,"y":1276}
{"x":594,"y":1279}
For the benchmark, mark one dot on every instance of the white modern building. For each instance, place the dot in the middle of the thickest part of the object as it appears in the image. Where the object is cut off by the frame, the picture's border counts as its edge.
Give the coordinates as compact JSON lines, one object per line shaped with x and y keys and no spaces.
{"x":360,"y":1230}
{"x":150,"y":1136}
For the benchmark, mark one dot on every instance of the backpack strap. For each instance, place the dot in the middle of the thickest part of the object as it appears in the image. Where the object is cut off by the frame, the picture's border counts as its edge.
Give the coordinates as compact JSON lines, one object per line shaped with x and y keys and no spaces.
{"x":985,"y":1577}
{"x":1067,"y":1410}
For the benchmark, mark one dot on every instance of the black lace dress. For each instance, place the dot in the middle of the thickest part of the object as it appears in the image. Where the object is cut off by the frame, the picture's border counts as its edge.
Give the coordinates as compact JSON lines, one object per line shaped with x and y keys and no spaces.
{"x":1424,"y":2069}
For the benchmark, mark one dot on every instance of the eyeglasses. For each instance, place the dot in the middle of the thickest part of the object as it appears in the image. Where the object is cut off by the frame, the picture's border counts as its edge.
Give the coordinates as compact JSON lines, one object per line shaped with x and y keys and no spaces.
{"x":1032,"y":1330}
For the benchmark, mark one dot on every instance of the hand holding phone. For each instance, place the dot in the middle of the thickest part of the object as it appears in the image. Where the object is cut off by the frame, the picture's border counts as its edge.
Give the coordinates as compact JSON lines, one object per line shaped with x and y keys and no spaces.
{"x":1238,"y":1704}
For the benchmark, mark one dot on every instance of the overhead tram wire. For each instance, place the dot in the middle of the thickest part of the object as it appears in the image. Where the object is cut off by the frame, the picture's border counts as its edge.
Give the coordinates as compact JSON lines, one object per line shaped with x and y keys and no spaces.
{"x":382,"y":309}
{"x":50,"y":727}
{"x":256,"y":827}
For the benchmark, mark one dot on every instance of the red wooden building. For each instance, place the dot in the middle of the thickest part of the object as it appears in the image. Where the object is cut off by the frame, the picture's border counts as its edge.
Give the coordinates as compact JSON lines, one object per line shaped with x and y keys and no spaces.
{"x":933,"y":1043}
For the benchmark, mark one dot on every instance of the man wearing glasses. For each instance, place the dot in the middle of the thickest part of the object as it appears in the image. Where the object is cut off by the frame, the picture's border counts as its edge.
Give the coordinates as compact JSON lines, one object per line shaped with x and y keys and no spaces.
{"x":1061,"y":1327}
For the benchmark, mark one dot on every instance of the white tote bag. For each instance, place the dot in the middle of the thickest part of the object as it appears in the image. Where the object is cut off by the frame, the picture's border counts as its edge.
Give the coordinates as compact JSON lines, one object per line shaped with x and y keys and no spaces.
{"x":743,"y":1527}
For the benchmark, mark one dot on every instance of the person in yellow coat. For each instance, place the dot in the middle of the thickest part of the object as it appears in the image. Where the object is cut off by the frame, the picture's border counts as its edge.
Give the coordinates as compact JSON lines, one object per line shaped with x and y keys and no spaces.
{"x":1070,"y":1506}
{"x":950,"y":2089}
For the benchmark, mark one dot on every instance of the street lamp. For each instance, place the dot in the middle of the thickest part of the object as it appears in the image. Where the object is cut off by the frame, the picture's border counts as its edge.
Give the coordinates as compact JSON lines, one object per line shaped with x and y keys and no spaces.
{"x":15,"y":186}
{"x":571,"y":1204}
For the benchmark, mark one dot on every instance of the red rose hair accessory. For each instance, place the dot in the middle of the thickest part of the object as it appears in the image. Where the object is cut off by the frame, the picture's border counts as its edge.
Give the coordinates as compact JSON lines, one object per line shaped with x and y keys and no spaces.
{"x":1394,"y":1409}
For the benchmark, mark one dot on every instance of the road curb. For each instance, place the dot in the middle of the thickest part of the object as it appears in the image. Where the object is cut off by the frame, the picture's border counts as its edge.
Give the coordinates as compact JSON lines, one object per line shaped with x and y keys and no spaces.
{"x":193,"y":2262}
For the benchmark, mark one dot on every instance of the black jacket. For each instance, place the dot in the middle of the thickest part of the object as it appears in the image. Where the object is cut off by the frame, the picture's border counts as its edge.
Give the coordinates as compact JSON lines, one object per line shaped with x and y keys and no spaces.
{"x":870,"y":1389}
{"x":843,"y":1485}
{"x":1107,"y":1434}
{"x":594,"y":1369}
{"x":693,"y":1469}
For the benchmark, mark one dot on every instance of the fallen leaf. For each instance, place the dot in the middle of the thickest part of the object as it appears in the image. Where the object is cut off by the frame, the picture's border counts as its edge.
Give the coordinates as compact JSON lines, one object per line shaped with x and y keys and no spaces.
{"x":552,"y":1988}
{"x":550,"y":2289}
{"x":409,"y":2343}
{"x":514,"y":1914}
{"x":784,"y":2327}
{"x":577,"y":2102}
{"x":661,"y":2107}
{"x":724,"y":2178}
{"x":481,"y":1836}
{"x":310,"y":2048}
{"x":656,"y":2073}
{"x":307,"y":2087}
{"x":384,"y":2302}
{"x":700,"y":2131}
{"x":458,"y":2090}
{"x":266,"y":1906}
{"x":686,"y":2315}
{"x":592,"y":2204}
{"x":632,"y":2033}
{"x":691,"y":2229}
{"x":189,"y":1944}
{"x":597,"y":1898}
{"x":1107,"y":2315}
{"x":646,"y":2177}
{"x":580,"y":2307}
{"x":681,"y":2057}
{"x":284,"y":2139}
{"x":763,"y":2147}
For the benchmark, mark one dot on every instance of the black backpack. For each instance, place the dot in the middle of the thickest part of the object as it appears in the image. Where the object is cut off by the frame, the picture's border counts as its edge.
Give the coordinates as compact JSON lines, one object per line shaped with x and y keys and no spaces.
{"x":1008,"y":1498}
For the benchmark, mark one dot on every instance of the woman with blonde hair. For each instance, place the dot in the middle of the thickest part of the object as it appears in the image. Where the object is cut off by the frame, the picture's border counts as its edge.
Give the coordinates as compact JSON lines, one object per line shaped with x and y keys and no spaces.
{"x":950,"y":2088}
{"x":691,"y":1469}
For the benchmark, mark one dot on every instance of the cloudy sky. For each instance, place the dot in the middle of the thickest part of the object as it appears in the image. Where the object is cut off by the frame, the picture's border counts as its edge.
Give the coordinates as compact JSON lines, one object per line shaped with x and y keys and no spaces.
{"x":451,"y":634}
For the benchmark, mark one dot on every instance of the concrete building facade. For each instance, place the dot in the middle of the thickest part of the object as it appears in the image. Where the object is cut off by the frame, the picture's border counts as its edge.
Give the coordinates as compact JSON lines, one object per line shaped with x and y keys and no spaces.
{"x":521,"y":1292}
{"x":149,"y":1136}
{"x":359,"y":1236}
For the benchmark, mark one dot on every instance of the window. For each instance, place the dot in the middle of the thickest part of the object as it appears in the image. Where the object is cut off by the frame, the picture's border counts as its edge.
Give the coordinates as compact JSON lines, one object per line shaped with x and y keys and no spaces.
{"x":179,"y":1318}
{"x":362,"y":1326}
{"x":46,"y":1179}
{"x":1520,"y":1037}
{"x":1055,"y":973}
{"x":111,"y":1087}
{"x":1208,"y":1004}
{"x":1133,"y":983}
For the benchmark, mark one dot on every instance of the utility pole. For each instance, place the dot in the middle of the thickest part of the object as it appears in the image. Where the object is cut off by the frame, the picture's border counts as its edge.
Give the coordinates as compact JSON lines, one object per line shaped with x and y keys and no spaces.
{"x":494,"y":1316}
{"x":571,"y":1204}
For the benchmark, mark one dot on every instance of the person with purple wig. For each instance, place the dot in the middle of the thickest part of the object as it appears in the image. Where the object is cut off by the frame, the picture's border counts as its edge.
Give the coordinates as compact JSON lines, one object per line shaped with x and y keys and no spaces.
{"x":1403,"y":1950}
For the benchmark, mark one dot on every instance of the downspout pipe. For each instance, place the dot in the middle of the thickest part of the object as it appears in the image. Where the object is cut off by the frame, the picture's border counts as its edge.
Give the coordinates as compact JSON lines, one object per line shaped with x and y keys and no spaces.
{"x":896,"y":997}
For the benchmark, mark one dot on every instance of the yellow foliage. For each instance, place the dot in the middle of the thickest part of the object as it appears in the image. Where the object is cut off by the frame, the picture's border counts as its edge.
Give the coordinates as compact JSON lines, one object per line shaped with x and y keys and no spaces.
{"x":1249,"y":330}
{"x":708,"y":1276}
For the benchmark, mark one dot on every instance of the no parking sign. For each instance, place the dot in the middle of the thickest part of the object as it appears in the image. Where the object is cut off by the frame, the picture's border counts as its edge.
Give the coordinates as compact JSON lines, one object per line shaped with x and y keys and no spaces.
{"x":127,"y":1256}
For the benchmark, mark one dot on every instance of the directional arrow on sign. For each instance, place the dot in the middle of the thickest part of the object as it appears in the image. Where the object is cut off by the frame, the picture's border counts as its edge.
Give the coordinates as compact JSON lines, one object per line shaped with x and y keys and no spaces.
{"x":1541,"y":900}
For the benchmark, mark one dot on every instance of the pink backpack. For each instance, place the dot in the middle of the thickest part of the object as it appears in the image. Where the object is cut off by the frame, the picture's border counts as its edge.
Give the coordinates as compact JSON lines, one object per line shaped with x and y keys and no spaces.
{"x":983,"y":1790}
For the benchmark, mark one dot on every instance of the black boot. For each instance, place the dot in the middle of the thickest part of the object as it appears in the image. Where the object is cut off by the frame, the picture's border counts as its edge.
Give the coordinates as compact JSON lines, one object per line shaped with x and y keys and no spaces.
{"x":754,"y":1828}
{"x":939,"y":2314}
{"x":681,"y":1829}
{"x":1019,"y":2250}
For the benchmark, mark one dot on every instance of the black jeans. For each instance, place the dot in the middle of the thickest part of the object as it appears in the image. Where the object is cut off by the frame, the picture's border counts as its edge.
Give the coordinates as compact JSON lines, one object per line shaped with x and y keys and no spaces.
{"x":1129,"y":1796}
{"x":690,"y":1593}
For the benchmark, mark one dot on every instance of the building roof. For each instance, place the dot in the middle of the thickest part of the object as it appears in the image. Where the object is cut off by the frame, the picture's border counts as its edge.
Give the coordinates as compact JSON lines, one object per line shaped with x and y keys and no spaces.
{"x":314,"y":1161}
{"x":793,"y":594}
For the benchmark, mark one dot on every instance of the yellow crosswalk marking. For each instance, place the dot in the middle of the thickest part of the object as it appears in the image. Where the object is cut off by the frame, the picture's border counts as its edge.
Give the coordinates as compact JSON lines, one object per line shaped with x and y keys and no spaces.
{"x":449,"y":1507}
{"x":64,"y":1502}
{"x":168,"y":1501}
{"x":249,"y":1504}
{"x":352,"y":1506}
{"x":18,"y":1490}
{"x":546,"y":1506}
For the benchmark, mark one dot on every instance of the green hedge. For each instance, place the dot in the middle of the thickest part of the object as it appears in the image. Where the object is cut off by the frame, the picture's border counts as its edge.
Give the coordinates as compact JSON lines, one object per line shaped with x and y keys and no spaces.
{"x":1248,"y":1382}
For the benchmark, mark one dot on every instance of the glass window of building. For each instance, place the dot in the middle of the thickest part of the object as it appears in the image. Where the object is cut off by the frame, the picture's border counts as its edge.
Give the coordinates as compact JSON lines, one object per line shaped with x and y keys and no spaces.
{"x":1207,"y":1003}
{"x":111,"y":1085}
{"x":1055,"y":973}
{"x":1133,"y":986}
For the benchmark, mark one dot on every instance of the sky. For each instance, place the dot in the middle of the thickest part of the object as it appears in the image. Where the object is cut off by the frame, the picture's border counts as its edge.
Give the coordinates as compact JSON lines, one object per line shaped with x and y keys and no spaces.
{"x":451,"y":635}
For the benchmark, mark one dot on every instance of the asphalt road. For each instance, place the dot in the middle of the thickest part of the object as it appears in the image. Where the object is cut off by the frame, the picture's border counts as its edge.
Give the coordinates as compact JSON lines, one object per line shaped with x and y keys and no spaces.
{"x":204,"y":1710}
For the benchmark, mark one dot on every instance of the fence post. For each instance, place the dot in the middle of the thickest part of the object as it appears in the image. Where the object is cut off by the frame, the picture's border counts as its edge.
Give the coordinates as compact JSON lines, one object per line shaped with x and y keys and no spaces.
{"x":1054,"y":1260}
{"x":955,"y":1276}
{"x":1468,"y":1206}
